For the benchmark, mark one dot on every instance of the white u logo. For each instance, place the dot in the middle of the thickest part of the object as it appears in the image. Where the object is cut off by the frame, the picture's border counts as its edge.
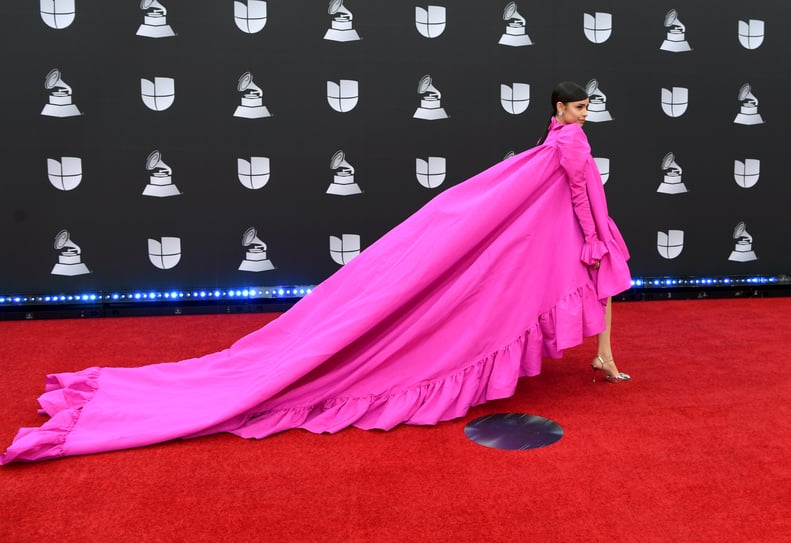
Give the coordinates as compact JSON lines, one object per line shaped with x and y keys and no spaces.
{"x":57,"y":14}
{"x":597,"y":27}
{"x":159,"y":94}
{"x":675,"y":101}
{"x":250,"y":17}
{"x":66,"y":173}
{"x":164,"y":253}
{"x":344,"y":248}
{"x":431,"y":21}
{"x":515,"y":98}
{"x":670,"y":243}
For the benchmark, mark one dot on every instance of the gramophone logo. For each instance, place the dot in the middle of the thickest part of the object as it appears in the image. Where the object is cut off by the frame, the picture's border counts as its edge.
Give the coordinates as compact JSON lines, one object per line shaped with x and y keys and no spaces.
{"x":250,"y":17}
{"x":676,"y":41}
{"x":155,"y":24}
{"x":341,"y":27}
{"x":430,"y":108}
{"x":670,"y":243}
{"x":252,"y":106}
{"x":66,"y":173}
{"x":746,"y":173}
{"x":597,"y":108}
{"x":343,"y":183}
{"x":603,"y":165}
{"x":597,"y":27}
{"x":343,"y":95}
{"x":254,"y":173}
{"x":57,"y":14}
{"x":164,"y":253}
{"x":344,"y":248}
{"x":675,"y":101}
{"x":748,"y":113}
{"x":743,"y":248}
{"x":430,"y":21}
{"x":431,"y":171}
{"x":59,"y":101}
{"x":159,"y":94}
{"x":672,"y":183}
{"x":160,"y":182}
{"x":515,"y":34}
{"x":255,"y":259}
{"x":751,"y":33}
{"x":69,"y":259}
{"x":515,"y":98}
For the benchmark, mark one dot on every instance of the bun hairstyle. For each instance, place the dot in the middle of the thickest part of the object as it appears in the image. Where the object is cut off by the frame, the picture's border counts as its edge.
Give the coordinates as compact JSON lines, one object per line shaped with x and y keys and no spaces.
{"x":564,"y":92}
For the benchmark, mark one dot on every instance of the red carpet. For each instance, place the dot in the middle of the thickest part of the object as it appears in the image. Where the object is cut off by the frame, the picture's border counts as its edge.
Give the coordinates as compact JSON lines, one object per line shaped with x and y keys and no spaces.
{"x":694,"y":449}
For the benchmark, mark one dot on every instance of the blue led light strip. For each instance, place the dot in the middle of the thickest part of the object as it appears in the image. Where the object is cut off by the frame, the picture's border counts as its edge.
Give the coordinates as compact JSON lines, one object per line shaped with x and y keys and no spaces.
{"x":154,"y":295}
{"x":702,"y":282}
{"x":292,"y":292}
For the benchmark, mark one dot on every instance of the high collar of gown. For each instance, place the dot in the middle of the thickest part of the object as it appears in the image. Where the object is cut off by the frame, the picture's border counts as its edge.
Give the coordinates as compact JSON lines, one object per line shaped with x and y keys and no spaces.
{"x":554,"y":124}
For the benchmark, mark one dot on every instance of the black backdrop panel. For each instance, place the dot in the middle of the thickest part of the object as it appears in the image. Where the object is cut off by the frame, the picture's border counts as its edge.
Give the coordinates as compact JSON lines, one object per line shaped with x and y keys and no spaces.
{"x":114,"y":206}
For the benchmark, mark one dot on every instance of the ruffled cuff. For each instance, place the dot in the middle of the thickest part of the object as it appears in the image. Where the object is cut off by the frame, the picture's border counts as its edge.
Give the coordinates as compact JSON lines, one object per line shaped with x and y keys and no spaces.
{"x":592,"y":251}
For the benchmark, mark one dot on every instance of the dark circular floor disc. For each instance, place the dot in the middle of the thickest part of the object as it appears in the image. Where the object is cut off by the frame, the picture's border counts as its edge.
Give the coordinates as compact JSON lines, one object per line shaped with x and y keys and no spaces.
{"x":513,"y":431}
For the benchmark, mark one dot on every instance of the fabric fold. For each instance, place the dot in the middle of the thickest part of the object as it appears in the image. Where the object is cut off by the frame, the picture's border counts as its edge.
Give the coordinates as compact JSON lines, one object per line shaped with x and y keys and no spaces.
{"x":492,"y":377}
{"x":592,"y":252}
{"x":446,"y":311}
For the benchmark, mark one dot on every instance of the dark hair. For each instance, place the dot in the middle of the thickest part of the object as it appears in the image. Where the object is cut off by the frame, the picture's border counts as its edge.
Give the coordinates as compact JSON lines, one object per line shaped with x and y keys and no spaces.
{"x":565,"y":91}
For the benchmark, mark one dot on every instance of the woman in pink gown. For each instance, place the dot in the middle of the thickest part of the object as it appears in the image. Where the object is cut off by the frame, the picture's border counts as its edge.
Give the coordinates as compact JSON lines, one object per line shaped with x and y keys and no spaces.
{"x":446,"y":311}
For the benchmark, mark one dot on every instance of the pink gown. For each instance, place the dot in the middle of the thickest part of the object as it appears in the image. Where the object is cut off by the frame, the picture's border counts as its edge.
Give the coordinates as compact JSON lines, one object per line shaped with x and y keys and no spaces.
{"x":446,"y":311}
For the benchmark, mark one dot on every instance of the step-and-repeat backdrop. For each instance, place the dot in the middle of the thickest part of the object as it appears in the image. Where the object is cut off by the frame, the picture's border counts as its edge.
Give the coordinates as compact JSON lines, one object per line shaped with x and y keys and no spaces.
{"x":218,"y":143}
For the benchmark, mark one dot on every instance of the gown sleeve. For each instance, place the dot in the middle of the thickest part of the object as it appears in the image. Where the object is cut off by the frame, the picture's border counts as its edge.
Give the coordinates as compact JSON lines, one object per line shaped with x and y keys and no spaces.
{"x":574,"y":157}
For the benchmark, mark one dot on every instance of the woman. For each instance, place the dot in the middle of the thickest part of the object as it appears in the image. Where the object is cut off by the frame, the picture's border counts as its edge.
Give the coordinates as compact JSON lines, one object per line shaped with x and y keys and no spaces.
{"x":570,"y":107}
{"x":446,"y":311}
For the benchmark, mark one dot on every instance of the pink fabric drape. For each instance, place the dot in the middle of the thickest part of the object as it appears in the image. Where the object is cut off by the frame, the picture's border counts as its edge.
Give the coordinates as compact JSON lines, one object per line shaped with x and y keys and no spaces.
{"x":444,"y":312}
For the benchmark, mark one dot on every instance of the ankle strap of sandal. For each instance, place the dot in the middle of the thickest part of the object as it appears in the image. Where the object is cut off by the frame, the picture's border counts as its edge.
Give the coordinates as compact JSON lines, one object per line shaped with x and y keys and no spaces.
{"x":603,"y":361}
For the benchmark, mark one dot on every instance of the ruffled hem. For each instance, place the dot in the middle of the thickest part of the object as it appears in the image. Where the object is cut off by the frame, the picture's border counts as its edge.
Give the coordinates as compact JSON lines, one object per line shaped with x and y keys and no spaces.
{"x":613,"y":275}
{"x":579,"y":314}
{"x":65,"y":394}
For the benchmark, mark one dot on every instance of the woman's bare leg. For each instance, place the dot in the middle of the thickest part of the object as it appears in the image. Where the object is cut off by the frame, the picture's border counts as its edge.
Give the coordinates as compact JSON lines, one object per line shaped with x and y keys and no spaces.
{"x":604,"y":344}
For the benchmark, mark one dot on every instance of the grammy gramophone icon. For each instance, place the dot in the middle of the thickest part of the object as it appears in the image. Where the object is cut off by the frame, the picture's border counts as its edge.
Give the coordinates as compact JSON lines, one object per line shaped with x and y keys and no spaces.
{"x":155,"y":24}
{"x":515,"y":34}
{"x":675,"y":41}
{"x":255,"y":259}
{"x":743,"y":250}
{"x":69,"y":260}
{"x":343,"y":180}
{"x":252,"y":106}
{"x":672,"y":183}
{"x":430,"y":105}
{"x":160,"y":182}
{"x":341,"y":28}
{"x":597,"y":108}
{"x":60,"y":104}
{"x":748,"y":112}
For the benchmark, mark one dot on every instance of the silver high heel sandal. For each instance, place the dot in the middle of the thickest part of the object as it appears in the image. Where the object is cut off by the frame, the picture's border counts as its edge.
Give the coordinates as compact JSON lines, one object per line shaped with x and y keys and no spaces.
{"x":618,"y":378}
